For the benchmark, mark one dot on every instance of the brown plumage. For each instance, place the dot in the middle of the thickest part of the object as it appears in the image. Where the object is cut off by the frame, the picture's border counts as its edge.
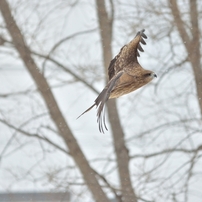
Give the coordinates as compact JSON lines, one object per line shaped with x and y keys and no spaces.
{"x":125,"y":75}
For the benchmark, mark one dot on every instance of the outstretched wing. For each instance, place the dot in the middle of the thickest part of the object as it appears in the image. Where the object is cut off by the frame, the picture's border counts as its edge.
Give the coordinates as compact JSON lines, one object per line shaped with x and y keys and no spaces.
{"x":127,"y":54}
{"x":102,"y":99}
{"x":135,"y":45}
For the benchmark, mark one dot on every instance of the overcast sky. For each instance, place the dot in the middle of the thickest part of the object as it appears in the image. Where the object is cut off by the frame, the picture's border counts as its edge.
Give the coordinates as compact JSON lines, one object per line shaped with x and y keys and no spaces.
{"x":82,"y":52}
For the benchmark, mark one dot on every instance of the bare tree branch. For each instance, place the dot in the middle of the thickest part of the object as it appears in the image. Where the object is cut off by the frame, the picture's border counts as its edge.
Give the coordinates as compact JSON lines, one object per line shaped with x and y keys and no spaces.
{"x":64,"y":40}
{"x":5,"y":95}
{"x":63,"y":67}
{"x":162,"y":152}
{"x":118,"y":197}
{"x":66,"y":69}
{"x":35,"y":136}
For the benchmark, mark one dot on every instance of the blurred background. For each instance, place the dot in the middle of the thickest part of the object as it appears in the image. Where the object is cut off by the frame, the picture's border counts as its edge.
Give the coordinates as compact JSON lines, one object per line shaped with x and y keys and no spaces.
{"x":54,"y":57}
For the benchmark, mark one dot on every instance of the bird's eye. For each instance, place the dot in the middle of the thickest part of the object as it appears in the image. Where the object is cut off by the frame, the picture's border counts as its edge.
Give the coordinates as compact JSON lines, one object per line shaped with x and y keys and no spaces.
{"x":148,"y":74}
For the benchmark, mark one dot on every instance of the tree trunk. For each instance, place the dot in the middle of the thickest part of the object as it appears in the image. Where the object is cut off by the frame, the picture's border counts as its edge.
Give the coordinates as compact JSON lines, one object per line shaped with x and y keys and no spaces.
{"x":121,"y":151}
{"x":55,"y":113}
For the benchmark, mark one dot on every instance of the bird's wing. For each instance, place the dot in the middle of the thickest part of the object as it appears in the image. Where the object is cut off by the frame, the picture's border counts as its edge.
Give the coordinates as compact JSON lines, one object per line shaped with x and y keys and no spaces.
{"x":101,"y":100}
{"x":127,"y":54}
{"x":112,"y":69}
{"x":134,"y":46}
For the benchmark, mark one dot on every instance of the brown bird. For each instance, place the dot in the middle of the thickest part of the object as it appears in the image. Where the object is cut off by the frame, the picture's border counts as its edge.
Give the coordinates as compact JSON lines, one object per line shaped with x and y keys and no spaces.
{"x":125,"y":75}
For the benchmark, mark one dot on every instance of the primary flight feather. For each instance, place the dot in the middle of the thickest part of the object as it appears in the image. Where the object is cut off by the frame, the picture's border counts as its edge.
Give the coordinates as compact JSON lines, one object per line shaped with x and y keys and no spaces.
{"x":125,"y":75}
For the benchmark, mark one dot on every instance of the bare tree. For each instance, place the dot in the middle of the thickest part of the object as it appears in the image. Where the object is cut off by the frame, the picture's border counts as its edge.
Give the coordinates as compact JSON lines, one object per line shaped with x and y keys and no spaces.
{"x":156,"y":132}
{"x":192,"y":42}
{"x":51,"y":104}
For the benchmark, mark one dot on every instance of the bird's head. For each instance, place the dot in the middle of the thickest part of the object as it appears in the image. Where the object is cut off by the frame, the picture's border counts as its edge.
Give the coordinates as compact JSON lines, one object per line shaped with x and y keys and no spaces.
{"x":148,"y":75}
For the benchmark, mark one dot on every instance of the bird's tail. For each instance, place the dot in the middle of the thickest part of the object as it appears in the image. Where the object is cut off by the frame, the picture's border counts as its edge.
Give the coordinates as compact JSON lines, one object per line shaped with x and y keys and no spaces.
{"x":87,"y":110}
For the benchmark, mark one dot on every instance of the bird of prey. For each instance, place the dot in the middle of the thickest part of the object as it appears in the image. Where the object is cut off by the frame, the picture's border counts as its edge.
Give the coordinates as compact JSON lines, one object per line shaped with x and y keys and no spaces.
{"x":125,"y":75}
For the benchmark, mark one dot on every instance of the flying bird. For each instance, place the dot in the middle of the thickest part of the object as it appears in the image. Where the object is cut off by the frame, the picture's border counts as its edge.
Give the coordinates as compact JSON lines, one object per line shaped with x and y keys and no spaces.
{"x":125,"y":75}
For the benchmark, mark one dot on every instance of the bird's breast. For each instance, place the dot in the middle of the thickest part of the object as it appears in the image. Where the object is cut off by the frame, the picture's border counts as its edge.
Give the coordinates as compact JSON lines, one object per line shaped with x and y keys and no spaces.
{"x":126,"y":84}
